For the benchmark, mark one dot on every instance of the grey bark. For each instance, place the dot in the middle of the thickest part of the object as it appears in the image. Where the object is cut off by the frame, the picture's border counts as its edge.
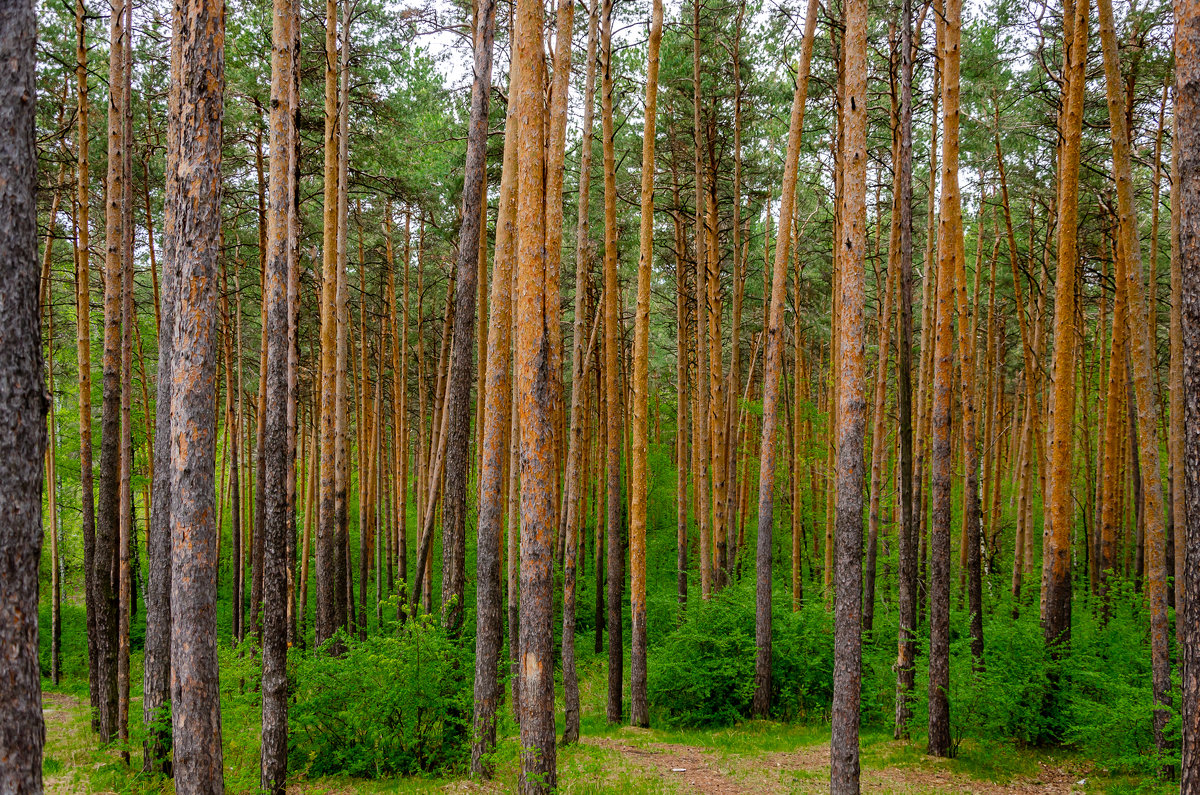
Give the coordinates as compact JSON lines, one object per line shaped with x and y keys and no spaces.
{"x":1187,"y":139}
{"x":458,"y":393}
{"x":195,"y":193}
{"x":23,"y":407}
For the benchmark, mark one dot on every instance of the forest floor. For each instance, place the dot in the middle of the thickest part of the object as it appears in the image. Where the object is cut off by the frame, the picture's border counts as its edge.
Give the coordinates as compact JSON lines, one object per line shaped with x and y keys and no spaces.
{"x":754,"y":757}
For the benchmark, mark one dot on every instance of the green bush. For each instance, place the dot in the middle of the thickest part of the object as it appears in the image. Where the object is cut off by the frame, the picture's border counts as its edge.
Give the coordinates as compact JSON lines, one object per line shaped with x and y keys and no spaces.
{"x":802,"y":661}
{"x":1109,"y":713}
{"x":1006,"y":699}
{"x":1097,"y":698}
{"x":394,"y":704}
{"x":702,"y":674}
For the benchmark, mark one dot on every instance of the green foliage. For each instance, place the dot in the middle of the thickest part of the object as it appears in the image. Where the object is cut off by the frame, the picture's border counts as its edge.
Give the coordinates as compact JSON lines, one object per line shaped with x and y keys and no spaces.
{"x":802,"y":661}
{"x":703,"y":672}
{"x":1097,"y":698}
{"x":391,"y":705}
{"x":1006,"y":699}
{"x":1110,"y":711}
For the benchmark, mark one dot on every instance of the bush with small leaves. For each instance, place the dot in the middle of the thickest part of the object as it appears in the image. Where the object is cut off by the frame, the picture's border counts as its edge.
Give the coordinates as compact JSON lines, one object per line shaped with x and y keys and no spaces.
{"x":393,"y":704}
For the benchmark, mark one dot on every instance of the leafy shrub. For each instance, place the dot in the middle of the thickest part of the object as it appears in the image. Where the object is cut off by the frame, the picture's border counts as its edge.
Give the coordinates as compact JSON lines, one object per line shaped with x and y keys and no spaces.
{"x":1110,"y":710}
{"x":391,"y":705}
{"x":802,"y":661}
{"x":1096,"y":698}
{"x":702,"y":674}
{"x":1007,"y":698}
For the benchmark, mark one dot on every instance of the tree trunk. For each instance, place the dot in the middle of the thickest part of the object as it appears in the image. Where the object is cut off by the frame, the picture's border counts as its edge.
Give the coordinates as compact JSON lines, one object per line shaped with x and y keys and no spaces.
{"x":1176,"y":412}
{"x":46,"y":307}
{"x":878,"y":443}
{"x":274,"y":444}
{"x":576,"y":446}
{"x":612,"y":331}
{"x":949,"y":246}
{"x":734,"y":382}
{"x":327,"y":622}
{"x":341,"y":507}
{"x":772,"y":368}
{"x":556,"y":132}
{"x":971,"y":513}
{"x":105,"y":561}
{"x":639,"y":704}
{"x":83,"y":341}
{"x":260,"y":427}
{"x":489,"y":636}
{"x":1056,"y":567}
{"x":458,"y":390}
{"x":156,"y":678}
{"x":601,"y":501}
{"x":1184,"y":217}
{"x":852,"y":412}
{"x":700,"y":430}
{"x":23,"y":407}
{"x":536,"y":310}
{"x":907,"y":536}
{"x":125,"y":488}
{"x":921,"y":495}
{"x":681,"y":394}
{"x":1029,"y":342}
{"x":196,"y":195}
{"x":1144,"y":357}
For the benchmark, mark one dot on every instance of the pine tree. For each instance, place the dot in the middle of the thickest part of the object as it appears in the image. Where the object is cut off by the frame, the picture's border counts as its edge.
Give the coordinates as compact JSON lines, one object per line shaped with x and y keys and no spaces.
{"x":23,"y":408}
{"x":536,"y":310}
{"x":639,"y":704}
{"x":274,"y":443}
{"x":198,"y":69}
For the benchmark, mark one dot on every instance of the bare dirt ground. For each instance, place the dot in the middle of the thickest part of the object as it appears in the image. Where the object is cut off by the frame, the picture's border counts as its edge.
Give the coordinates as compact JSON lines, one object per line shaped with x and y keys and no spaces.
{"x":697,"y":769}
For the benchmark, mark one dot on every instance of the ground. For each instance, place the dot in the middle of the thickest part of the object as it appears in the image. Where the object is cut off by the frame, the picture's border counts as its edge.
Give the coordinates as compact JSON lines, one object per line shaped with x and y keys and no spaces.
{"x":755,"y":757}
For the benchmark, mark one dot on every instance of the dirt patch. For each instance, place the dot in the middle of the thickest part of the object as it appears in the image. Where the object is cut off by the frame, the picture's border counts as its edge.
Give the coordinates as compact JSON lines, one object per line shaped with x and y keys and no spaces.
{"x":57,"y":709}
{"x":919,"y":780}
{"x":686,"y":766}
{"x":930,"y":776}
